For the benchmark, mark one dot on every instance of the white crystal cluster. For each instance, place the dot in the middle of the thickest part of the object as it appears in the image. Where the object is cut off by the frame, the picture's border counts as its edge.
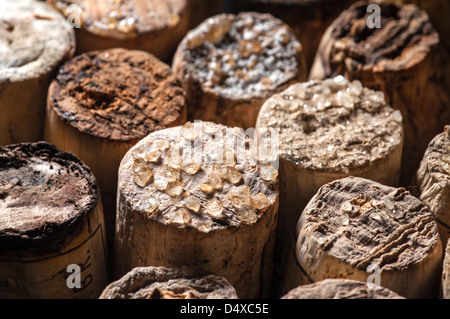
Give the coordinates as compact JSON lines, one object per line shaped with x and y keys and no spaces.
{"x":332,"y":124}
{"x":195,"y":189}
{"x":246,"y":55}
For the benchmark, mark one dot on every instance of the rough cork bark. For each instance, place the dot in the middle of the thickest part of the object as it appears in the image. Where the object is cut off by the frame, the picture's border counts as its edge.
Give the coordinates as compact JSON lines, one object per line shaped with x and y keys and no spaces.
{"x":308,"y":18}
{"x":403,"y":58}
{"x":229,"y":65}
{"x":35,"y":41}
{"x":446,"y":274}
{"x":328,"y":130}
{"x":50,"y":217}
{"x":341,"y":289}
{"x":175,"y":213}
{"x":169,"y":283}
{"x":102,"y":103}
{"x":353,"y":224}
{"x":155,"y":26}
{"x":433,"y":178}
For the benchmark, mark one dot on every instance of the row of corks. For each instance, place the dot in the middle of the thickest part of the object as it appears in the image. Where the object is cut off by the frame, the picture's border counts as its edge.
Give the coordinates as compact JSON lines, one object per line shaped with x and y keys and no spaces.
{"x":226,"y":209}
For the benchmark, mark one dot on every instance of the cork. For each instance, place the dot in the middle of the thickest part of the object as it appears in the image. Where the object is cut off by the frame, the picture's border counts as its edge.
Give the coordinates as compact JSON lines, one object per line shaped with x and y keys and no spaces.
{"x":403,"y":58}
{"x":35,"y":41}
{"x":51,"y":217}
{"x":354,"y":228}
{"x":154,"y":26}
{"x":103,"y":102}
{"x":328,"y":130}
{"x":169,"y":283}
{"x":230,"y":64}
{"x":341,"y":289}
{"x":188,"y":196}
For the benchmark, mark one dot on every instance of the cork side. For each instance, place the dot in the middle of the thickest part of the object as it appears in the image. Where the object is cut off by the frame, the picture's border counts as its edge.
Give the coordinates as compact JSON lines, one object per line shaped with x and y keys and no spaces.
{"x":195,"y":176}
{"x":360,"y":222}
{"x":243,"y":57}
{"x":34,"y":39}
{"x":333,"y":125}
{"x":341,"y":289}
{"x":117,"y":94}
{"x":44,"y":194}
{"x":123,"y":19}
{"x":433,"y":177}
{"x":403,"y":41}
{"x":169,"y":283}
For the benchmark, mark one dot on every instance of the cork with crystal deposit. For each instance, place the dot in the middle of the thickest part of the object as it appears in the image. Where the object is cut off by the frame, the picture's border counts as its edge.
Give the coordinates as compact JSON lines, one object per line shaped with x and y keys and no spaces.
{"x":327,"y":130}
{"x":154,"y":26}
{"x":433,"y":178}
{"x":34,"y":40}
{"x":214,"y":206}
{"x":341,"y":289}
{"x":50,"y":218}
{"x":353,"y":224}
{"x":229,"y":65}
{"x":169,"y":283}
{"x":403,"y":58}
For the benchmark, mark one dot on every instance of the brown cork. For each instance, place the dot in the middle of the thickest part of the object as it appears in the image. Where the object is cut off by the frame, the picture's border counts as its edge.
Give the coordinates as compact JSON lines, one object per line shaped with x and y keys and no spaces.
{"x":216,"y":209}
{"x":433,"y":178}
{"x":169,"y":283}
{"x":403,"y":58}
{"x":155,"y":26}
{"x":341,"y":289}
{"x":117,"y":94}
{"x":44,"y":194}
{"x":35,"y":41}
{"x":353,"y":223}
{"x":307,"y":18}
{"x":229,"y":65}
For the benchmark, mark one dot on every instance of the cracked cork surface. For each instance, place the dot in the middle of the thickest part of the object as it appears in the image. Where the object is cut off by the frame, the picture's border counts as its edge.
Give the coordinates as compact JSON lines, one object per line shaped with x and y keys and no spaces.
{"x":117,"y":94}
{"x":341,"y":289}
{"x":34,"y":39}
{"x":169,"y":283}
{"x":43,"y":193}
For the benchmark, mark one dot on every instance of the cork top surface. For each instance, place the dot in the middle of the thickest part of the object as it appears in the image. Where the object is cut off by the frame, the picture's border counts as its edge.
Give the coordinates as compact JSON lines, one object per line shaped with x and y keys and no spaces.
{"x":404,"y":39}
{"x":122,"y":19}
{"x":245,"y":56}
{"x":433,"y":176}
{"x":341,"y":289}
{"x":34,"y":39}
{"x":169,"y":283}
{"x":361,"y":223}
{"x":117,"y":94}
{"x":333,"y":125}
{"x":194,"y":176}
{"x":43,"y":191}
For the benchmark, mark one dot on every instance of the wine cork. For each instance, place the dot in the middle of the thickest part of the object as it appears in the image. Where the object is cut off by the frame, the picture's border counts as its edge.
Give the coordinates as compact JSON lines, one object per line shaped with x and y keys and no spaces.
{"x":51,"y":219}
{"x":169,"y":283}
{"x":102,"y":103}
{"x":328,"y":130}
{"x":34,"y":40}
{"x":433,"y":178}
{"x":210,"y":205}
{"x":229,"y":65}
{"x":307,"y":18}
{"x":354,"y":228}
{"x":402,"y":58}
{"x":341,"y":289}
{"x":446,"y":274}
{"x":153,"y":26}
